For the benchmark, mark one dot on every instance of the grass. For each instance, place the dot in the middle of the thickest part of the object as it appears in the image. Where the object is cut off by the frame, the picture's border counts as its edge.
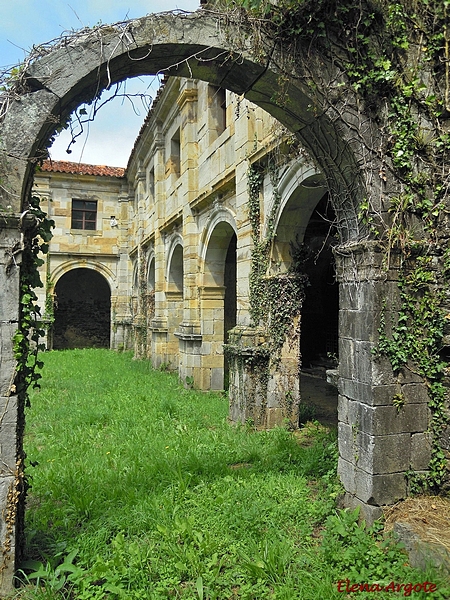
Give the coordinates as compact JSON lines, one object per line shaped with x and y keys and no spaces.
{"x":141,"y":489}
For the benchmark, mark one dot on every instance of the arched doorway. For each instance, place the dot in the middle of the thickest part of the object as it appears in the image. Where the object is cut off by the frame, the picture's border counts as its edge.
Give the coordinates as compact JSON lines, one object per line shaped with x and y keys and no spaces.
{"x":82,"y":310}
{"x":319,"y":347}
{"x":219,"y":297}
{"x":174,"y":297}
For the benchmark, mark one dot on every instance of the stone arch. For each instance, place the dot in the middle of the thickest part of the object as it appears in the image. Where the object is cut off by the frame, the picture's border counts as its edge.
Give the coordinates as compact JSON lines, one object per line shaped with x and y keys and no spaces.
{"x":174,"y":268}
{"x":69,"y":265}
{"x":82,"y":310}
{"x":201,"y":45}
{"x":214,"y":242}
{"x":218,"y":291}
{"x":301,"y":187}
{"x":70,"y":74}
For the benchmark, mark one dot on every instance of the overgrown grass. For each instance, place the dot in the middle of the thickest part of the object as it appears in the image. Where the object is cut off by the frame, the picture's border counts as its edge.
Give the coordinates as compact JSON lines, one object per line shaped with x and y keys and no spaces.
{"x":142,"y":490}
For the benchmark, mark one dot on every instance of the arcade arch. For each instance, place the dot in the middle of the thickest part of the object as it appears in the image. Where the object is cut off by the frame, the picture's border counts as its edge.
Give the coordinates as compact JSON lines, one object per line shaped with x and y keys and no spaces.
{"x":306,"y":224}
{"x":218,"y":294}
{"x":82,"y":310}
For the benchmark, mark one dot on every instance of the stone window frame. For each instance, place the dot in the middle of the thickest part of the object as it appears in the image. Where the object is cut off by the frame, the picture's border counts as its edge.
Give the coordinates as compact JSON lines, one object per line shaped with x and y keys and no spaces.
{"x":84,"y":210}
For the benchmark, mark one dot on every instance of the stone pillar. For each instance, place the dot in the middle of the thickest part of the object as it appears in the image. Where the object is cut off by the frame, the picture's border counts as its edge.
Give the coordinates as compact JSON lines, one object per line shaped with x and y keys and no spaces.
{"x":212,"y":360}
{"x":158,"y":327}
{"x":121,"y":318}
{"x":283,"y":388}
{"x":248,"y":357}
{"x":378,"y":443}
{"x":11,"y":467}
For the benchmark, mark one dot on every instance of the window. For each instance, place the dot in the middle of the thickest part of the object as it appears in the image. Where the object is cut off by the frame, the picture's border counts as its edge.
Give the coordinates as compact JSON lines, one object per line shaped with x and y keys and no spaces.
{"x":218,"y":105}
{"x":84,"y":214}
{"x":175,"y":153}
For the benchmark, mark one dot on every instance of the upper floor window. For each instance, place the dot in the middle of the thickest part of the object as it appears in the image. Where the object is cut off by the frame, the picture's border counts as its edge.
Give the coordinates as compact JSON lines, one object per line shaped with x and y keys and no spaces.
{"x":175,"y":153}
{"x":84,"y":214}
{"x":218,"y":107}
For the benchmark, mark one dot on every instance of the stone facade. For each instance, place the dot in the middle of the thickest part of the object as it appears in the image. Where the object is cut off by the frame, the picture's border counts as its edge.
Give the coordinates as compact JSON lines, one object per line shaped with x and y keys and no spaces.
{"x":173,"y":238}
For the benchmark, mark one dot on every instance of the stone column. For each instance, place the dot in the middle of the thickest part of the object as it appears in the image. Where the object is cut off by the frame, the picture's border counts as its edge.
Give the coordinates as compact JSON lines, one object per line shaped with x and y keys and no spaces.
{"x":121,"y":327}
{"x":212,"y":310}
{"x":158,"y":326}
{"x":378,"y":443}
{"x":11,"y":420}
{"x":249,"y":357}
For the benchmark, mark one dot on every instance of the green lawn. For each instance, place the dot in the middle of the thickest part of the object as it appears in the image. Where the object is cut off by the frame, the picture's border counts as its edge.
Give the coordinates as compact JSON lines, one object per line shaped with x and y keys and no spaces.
{"x":141,"y":489}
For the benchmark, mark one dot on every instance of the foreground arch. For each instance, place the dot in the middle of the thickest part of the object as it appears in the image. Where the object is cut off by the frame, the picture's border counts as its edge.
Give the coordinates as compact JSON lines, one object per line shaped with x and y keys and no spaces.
{"x":207,"y":46}
{"x":194,"y":45}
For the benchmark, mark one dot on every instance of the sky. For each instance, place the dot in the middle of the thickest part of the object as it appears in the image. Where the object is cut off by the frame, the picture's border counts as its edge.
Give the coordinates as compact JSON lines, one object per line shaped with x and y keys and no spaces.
{"x":110,"y":137}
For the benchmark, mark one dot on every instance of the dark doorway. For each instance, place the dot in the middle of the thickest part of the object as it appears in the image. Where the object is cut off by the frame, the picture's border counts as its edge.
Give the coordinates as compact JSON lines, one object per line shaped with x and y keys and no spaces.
{"x":230,"y":300}
{"x":320,"y":318}
{"x":82,"y":311}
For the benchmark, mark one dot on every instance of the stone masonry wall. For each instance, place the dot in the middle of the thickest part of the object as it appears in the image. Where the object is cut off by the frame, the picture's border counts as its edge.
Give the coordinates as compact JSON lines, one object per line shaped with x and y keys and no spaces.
{"x":10,"y":469}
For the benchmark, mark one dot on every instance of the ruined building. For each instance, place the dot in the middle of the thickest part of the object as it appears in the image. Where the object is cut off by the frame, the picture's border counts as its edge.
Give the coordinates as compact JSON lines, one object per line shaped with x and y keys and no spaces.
{"x":158,"y":257}
{"x":223,"y":252}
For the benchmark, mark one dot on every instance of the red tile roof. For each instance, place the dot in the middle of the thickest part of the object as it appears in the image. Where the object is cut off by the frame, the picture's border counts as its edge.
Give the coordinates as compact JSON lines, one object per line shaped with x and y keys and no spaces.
{"x":64,"y":166}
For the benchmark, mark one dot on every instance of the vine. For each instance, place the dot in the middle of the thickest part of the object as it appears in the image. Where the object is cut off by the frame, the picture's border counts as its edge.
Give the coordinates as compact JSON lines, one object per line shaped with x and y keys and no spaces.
{"x":274,"y":300}
{"x":391,"y":60}
{"x":36,"y":237}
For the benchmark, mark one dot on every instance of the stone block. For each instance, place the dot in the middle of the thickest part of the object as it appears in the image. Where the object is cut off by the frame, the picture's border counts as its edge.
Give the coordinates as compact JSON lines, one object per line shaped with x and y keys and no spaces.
{"x":408,"y":375}
{"x":415,"y":393}
{"x":358,"y":325}
{"x":208,"y":327}
{"x":421,"y":553}
{"x":445,"y":438}
{"x":9,"y":298}
{"x":380,"y":489}
{"x":217,"y":379}
{"x":420,"y":451}
{"x":7,"y":361}
{"x":346,"y":473}
{"x":206,"y":348}
{"x":383,"y":453}
{"x":347,"y":443}
{"x":357,"y":363}
{"x":368,"y":513}
{"x":379,"y":395}
{"x":385,"y":420}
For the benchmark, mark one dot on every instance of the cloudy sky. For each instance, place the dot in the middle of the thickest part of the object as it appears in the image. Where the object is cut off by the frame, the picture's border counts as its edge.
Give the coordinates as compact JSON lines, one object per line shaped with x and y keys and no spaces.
{"x":25,"y":23}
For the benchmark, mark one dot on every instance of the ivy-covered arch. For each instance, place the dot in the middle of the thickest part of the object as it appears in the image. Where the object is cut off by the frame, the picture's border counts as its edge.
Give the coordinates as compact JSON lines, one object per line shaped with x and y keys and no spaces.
{"x":341,"y":135}
{"x":76,"y":70}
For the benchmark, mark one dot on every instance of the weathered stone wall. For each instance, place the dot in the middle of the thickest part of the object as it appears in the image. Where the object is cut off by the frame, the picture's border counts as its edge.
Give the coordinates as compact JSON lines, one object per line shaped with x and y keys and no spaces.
{"x":378,"y":442}
{"x":11,"y":421}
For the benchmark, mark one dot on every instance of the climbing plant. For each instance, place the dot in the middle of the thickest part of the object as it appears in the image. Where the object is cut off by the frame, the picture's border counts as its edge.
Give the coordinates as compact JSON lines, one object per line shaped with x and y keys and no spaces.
{"x":387,"y":62}
{"x":27,"y":339}
{"x":275,"y":300}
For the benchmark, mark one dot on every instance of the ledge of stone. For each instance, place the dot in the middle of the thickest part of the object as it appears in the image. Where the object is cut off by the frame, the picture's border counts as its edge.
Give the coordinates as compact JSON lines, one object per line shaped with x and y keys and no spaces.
{"x":421,"y":553}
